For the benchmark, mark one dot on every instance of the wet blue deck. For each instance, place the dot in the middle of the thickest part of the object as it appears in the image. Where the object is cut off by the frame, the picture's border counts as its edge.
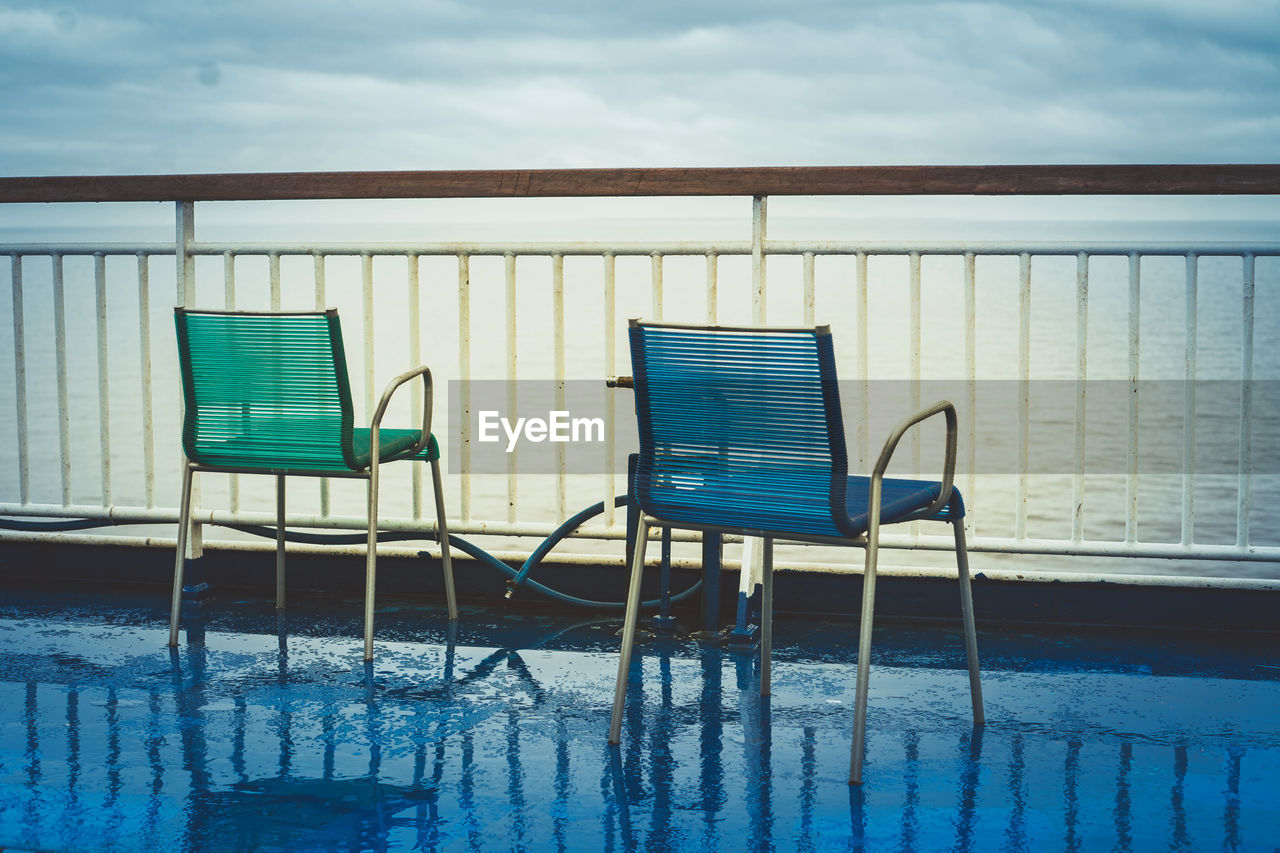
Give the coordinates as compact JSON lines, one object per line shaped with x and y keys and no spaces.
{"x":493,"y":737}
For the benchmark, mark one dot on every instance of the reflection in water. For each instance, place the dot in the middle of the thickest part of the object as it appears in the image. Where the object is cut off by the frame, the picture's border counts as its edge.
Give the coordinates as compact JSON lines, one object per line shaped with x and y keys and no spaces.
{"x":710,"y":734}
{"x":73,"y":751}
{"x":615,"y":791}
{"x":1070,"y":795}
{"x":31,"y":774}
{"x":467,"y":793}
{"x":757,"y":742}
{"x":661,"y":760}
{"x":515,"y":782}
{"x":970,"y":765}
{"x":808,"y":790}
{"x":911,"y":786}
{"x":212,"y":747}
{"x":562,"y":784}
{"x":1231,"y":816}
{"x":114,"y":775}
{"x":1016,"y":832}
{"x":1123,"y":815}
{"x":1177,"y":798}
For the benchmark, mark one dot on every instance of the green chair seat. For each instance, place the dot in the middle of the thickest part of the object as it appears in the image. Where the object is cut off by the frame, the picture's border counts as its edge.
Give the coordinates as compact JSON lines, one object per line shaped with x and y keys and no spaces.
{"x":392,"y":443}
{"x":250,"y":452}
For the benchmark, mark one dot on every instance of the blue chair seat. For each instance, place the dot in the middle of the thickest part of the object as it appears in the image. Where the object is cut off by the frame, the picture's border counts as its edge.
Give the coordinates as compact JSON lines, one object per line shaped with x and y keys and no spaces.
{"x":900,"y":500}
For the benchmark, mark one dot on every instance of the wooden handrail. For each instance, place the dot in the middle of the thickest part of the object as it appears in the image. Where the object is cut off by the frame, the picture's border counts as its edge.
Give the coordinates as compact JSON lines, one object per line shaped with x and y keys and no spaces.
{"x":1188,"y":179}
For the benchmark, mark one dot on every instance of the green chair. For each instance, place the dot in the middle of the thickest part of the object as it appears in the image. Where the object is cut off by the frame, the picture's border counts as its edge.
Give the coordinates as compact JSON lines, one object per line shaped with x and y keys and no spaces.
{"x":267,"y":393}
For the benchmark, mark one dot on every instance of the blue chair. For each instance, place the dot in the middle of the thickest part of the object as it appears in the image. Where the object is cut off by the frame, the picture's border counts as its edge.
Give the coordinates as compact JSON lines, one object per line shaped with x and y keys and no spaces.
{"x":741,"y":432}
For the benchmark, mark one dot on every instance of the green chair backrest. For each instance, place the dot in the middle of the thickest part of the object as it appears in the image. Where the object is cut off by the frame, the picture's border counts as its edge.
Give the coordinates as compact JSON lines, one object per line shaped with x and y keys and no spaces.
{"x":265,"y":391}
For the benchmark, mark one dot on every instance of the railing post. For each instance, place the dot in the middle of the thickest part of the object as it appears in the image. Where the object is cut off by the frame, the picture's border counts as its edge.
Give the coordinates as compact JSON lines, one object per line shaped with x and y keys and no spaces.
{"x":970,"y":373}
{"x":185,"y":273}
{"x":1082,"y":379}
{"x":752,"y":549}
{"x":1191,"y":300}
{"x":1135,"y":326}
{"x":186,"y":264}
{"x":60,"y":366}
{"x":20,"y":379}
{"x":610,"y":394}
{"x":464,"y":384}
{"x":557,"y":367}
{"x":759,"y":227}
{"x":1244,"y":493}
{"x":104,"y":374}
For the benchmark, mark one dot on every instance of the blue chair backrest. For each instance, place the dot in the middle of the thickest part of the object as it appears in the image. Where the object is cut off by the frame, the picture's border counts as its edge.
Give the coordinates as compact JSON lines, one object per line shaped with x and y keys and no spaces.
{"x":739,"y":428}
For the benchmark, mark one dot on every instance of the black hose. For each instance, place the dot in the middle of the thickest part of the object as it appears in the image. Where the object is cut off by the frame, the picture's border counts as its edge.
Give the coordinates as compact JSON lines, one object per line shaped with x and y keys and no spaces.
{"x":515,"y":577}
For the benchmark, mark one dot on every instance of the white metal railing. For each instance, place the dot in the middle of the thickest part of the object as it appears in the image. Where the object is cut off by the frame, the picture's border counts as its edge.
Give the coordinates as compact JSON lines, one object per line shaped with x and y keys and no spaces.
{"x":496,"y":324}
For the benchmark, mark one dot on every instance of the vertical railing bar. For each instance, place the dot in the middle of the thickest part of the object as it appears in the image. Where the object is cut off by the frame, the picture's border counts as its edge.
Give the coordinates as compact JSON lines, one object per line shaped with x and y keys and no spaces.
{"x":186,"y":262}
{"x":752,"y":552}
{"x":366,"y":292}
{"x":321,"y":297}
{"x":1082,"y":368}
{"x":914,"y":346}
{"x":713,"y":287}
{"x":104,"y":396}
{"x":144,"y":350}
{"x":809,"y":296}
{"x":1245,"y":487}
{"x":863,"y":370}
{"x":20,"y":379}
{"x":759,"y":233}
{"x":273,"y":277}
{"x":610,"y":394}
{"x":557,"y":345}
{"x":1024,"y":393}
{"x":60,"y":356}
{"x":971,"y":380}
{"x":1135,"y":327}
{"x":1189,"y":400}
{"x":229,"y":280}
{"x":512,"y":370}
{"x":655,"y":286}
{"x":318,"y":280}
{"x":185,"y":272}
{"x":415,"y":359}
{"x":229,"y":302}
{"x":464,"y":383}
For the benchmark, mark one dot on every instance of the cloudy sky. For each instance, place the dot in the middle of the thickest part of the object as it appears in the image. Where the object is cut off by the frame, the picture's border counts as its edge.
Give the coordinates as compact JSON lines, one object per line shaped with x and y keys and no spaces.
{"x":135,"y":86}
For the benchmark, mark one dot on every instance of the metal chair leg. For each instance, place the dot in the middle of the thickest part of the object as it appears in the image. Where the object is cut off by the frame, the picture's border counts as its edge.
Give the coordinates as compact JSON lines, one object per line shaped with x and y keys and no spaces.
{"x":628,"y":631}
{"x":970,"y":631}
{"x":179,"y":563}
{"x":864,"y":654}
{"x":371,"y":559}
{"x":442,"y":531}
{"x":279,"y":541}
{"x":766,"y":619}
